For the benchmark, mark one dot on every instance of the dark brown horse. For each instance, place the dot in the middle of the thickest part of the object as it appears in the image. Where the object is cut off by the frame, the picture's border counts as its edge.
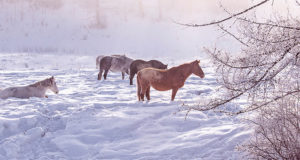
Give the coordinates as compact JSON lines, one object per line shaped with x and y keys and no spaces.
{"x":164,"y":80}
{"x":138,"y":65}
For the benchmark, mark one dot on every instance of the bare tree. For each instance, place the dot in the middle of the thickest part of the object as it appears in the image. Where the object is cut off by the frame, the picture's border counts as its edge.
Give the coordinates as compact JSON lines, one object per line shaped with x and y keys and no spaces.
{"x":267,"y":73}
{"x":269,"y":58}
{"x":277,"y":132}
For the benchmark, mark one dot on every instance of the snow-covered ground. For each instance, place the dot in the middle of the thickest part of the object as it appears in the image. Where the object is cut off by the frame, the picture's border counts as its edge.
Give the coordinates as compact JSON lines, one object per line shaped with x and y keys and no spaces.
{"x":91,"y":119}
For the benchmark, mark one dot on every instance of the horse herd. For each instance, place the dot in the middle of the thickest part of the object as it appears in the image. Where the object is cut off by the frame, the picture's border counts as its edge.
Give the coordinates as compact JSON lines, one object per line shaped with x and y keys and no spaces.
{"x":151,"y":73}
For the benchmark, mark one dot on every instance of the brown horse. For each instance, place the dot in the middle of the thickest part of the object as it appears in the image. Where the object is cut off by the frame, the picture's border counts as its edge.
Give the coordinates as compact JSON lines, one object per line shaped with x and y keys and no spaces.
{"x":138,"y":65}
{"x":164,"y":80}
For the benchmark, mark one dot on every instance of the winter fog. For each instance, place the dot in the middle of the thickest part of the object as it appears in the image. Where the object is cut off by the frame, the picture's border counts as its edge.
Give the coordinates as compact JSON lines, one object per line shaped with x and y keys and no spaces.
{"x":104,"y":26}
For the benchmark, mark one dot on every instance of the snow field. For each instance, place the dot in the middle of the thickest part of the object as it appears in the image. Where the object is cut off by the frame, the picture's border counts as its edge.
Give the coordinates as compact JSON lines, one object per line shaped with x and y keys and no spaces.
{"x":91,"y":119}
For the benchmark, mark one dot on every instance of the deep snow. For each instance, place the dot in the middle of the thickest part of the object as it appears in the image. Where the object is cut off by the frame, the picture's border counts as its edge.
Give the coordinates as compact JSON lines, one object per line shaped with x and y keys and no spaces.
{"x":91,"y":119}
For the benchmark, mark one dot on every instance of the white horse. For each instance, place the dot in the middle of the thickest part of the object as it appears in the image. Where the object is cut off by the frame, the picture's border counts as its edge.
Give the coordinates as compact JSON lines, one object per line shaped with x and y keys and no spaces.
{"x":114,"y":63}
{"x":37,"y":89}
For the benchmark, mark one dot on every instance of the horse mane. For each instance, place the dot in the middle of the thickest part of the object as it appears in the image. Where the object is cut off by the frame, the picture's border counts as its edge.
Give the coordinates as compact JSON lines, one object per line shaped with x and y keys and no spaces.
{"x":43,"y":83}
{"x":184,"y":65}
{"x":153,"y":60}
{"x":119,"y":55}
{"x":116,"y":55}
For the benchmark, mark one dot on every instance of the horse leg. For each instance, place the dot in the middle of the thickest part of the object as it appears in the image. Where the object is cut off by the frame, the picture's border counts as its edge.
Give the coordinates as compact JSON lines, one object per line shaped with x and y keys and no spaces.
{"x":144,"y":87}
{"x":100,"y":74}
{"x":123,"y":75}
{"x":148,"y":93}
{"x":131,"y":78}
{"x":138,"y":89}
{"x":174,"y":91}
{"x":143,"y":91}
{"x":97,"y":63}
{"x":105,"y":74}
{"x":142,"y":96}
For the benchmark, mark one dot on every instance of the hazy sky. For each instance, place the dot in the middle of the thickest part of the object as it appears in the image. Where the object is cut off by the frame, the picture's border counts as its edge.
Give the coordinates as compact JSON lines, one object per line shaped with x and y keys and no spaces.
{"x":106,"y":26}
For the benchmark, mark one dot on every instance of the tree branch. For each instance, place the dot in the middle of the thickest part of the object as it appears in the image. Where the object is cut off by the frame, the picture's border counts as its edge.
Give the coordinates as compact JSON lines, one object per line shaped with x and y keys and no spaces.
{"x":232,"y":35}
{"x":219,"y":102}
{"x":225,"y":19}
{"x":256,"y":106}
{"x":268,"y":24}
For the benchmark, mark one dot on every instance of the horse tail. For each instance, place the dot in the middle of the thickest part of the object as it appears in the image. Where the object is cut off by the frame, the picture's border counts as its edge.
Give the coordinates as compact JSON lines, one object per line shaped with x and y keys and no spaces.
{"x":97,"y":63}
{"x":138,"y":87}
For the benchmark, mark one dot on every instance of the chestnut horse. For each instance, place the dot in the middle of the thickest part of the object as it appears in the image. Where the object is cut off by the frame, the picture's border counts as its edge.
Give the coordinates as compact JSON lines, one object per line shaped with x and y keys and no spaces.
{"x":163,"y":80}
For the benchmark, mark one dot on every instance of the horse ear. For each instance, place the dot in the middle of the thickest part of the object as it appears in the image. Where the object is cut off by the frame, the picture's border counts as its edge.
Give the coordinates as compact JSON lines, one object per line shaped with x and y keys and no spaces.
{"x":198,"y":61}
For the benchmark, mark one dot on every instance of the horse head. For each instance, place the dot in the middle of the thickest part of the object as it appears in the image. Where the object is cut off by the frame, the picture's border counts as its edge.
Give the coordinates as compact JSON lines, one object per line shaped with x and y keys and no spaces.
{"x":196,"y":69}
{"x":165,"y":66}
{"x":52,"y":85}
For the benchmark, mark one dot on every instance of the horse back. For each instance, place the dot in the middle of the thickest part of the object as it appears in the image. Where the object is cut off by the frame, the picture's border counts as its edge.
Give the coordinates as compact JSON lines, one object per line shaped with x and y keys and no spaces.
{"x":138,"y":65}
{"x":151,"y":74}
{"x":8,"y":92}
{"x":157,"y":78}
{"x":137,"y":62}
{"x":117,"y":64}
{"x":134,"y":66}
{"x":163,"y":79}
{"x":157,"y":64}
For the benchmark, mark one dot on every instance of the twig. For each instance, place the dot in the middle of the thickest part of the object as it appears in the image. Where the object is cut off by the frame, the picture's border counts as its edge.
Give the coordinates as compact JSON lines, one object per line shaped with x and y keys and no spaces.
{"x":269,"y":24}
{"x":225,"y":19}
{"x":232,"y":35}
{"x":297,"y":2}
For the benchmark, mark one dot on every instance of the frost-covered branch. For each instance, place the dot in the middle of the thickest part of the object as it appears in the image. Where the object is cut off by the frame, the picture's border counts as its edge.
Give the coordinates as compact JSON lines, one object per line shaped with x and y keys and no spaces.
{"x":232,"y":35}
{"x":265,"y":73}
{"x":257,"y":72}
{"x":277,"y":132}
{"x":227,"y":18}
{"x":269,"y":24}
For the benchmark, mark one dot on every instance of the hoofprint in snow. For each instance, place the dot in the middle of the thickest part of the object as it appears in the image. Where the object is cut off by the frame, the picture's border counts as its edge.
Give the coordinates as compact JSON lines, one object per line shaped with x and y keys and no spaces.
{"x":91,"y":119}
